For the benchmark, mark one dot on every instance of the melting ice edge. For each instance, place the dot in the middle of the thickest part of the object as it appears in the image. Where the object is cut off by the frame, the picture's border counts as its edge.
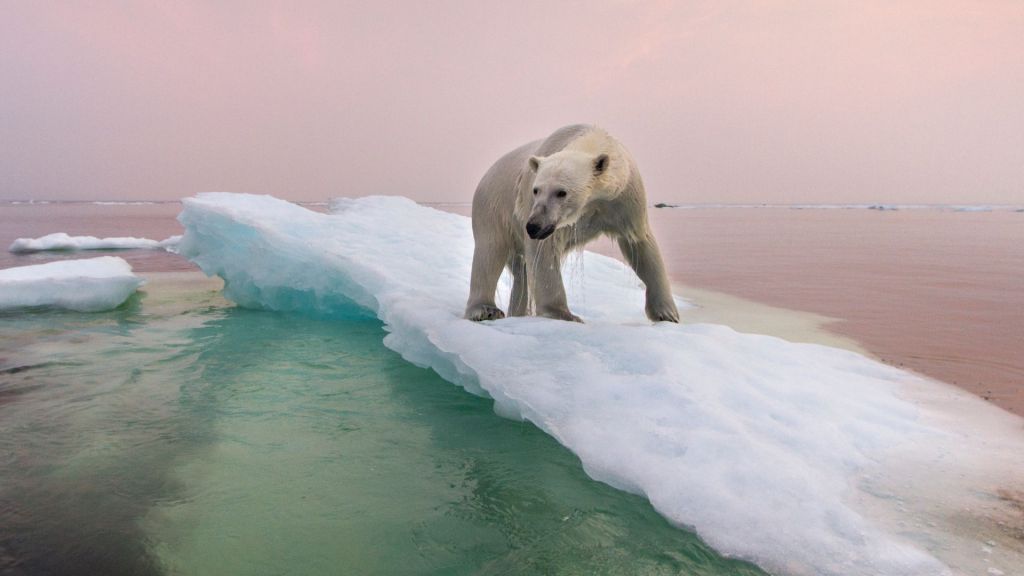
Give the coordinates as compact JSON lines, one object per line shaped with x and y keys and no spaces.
{"x":752,"y":441}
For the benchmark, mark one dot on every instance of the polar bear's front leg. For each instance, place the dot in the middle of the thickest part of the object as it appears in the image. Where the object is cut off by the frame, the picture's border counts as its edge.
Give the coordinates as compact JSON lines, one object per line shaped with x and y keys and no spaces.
{"x":488,"y":260}
{"x":645,"y":258}
{"x":544,"y":270}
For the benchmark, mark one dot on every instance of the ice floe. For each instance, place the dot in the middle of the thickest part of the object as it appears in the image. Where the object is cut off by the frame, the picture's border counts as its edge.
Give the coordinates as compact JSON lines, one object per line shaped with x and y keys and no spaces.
{"x":63,"y":241}
{"x":89,"y":285}
{"x":769,"y":450}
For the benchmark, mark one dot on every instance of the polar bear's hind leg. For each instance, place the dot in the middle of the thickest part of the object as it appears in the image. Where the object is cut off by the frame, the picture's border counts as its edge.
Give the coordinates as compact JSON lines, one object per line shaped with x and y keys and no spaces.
{"x":519,"y":302}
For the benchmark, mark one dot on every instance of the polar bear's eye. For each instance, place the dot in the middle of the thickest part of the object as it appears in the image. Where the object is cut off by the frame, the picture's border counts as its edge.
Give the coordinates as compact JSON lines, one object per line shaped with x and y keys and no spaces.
{"x":561,"y":193}
{"x":535,"y":190}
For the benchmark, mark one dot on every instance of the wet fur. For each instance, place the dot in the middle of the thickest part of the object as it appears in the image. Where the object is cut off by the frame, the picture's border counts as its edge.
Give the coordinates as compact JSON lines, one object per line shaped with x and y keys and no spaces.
{"x":611,"y":202}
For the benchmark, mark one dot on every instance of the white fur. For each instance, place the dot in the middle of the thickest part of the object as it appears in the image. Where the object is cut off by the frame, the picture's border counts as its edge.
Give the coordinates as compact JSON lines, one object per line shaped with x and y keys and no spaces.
{"x":548,"y":197}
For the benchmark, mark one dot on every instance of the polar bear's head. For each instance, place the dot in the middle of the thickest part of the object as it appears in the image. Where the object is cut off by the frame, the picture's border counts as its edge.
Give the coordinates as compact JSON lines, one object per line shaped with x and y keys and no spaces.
{"x":563,"y":185}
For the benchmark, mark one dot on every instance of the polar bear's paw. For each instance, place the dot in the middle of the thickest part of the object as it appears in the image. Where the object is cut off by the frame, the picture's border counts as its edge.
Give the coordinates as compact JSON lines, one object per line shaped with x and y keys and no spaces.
{"x":662,"y":312}
{"x":484,"y":312}
{"x":560,"y":314}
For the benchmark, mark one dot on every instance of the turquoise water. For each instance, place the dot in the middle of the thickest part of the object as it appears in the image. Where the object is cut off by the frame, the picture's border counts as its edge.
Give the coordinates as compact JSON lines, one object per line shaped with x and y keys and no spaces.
{"x":179,"y":434}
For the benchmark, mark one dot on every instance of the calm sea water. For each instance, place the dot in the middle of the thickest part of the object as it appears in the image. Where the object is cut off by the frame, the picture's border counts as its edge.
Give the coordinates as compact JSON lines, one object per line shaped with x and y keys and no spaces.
{"x":179,"y":434}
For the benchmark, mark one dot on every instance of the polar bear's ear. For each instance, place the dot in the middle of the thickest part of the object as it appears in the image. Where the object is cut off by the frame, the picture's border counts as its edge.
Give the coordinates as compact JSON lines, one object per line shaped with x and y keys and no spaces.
{"x":600,"y":164}
{"x":535,"y":162}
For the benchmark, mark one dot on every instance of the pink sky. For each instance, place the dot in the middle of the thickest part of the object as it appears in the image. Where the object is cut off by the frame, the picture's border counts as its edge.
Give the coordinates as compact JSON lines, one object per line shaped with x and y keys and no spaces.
{"x":719,"y":101}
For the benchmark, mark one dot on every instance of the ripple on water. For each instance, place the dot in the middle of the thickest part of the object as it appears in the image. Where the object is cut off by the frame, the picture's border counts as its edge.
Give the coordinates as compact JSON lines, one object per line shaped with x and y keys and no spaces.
{"x":186,"y":436}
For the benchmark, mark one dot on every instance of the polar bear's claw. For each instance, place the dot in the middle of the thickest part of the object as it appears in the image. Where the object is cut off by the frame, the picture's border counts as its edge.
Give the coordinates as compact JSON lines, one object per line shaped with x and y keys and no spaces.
{"x":485,"y":312}
{"x":663,"y":313}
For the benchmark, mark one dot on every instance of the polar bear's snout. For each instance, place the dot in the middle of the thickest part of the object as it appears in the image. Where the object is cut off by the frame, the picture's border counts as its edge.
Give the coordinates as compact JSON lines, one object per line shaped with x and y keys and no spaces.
{"x":539,"y":231}
{"x":543,"y":219}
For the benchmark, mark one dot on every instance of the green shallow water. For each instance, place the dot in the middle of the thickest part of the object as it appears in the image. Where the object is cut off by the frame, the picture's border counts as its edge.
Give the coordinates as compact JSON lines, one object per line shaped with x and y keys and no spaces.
{"x":181,"y":435}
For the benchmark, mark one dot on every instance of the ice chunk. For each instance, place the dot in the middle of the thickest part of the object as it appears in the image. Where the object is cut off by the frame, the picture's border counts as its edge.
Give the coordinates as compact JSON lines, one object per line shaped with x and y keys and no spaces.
{"x":87,"y":285}
{"x":62,"y":241}
{"x":753,"y":441}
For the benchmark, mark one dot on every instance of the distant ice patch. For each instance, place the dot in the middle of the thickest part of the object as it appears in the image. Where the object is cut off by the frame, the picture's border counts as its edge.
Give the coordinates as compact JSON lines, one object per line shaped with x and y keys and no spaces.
{"x":89,"y":285}
{"x":762,"y":446}
{"x":63,"y":241}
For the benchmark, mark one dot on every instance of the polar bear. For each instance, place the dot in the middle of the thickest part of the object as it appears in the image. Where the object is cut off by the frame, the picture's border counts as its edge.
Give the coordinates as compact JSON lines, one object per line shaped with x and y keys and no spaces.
{"x":548,"y":197}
